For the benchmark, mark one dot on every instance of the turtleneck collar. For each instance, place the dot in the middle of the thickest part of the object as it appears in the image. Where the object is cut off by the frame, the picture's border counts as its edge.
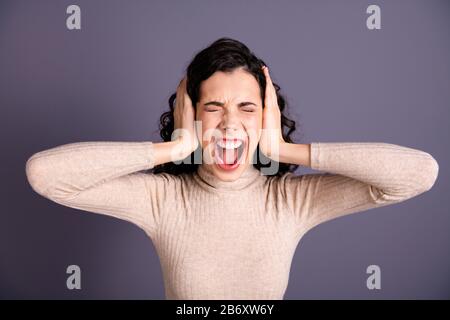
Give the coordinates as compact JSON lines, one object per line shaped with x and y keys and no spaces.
{"x":248,"y":176}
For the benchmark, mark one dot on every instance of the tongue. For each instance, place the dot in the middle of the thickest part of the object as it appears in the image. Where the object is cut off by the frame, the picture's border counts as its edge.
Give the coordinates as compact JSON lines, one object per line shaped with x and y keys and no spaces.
{"x":230,"y":156}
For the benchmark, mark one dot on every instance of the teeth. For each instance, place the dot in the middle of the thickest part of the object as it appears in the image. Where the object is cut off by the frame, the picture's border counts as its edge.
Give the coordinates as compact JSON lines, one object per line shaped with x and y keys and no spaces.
{"x":229,"y":144}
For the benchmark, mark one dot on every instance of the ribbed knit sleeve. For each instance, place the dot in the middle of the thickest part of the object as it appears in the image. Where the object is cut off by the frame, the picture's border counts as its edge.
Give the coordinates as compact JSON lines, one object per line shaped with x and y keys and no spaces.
{"x":102,"y":177}
{"x":357,"y":176}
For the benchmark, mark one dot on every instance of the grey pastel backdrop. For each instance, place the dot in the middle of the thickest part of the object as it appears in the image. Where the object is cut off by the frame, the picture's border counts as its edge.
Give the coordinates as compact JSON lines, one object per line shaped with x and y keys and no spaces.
{"x":111,"y":81}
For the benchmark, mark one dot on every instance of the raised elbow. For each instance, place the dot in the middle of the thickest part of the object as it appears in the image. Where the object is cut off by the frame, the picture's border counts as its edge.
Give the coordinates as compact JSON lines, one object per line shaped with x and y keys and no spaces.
{"x":36,"y":175}
{"x":424,"y":176}
{"x":429,"y":173}
{"x":419,"y":179}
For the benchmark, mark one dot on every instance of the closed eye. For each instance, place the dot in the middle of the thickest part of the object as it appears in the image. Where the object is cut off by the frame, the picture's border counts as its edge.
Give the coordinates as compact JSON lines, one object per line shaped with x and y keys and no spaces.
{"x":248,"y":106}
{"x":214,"y":106}
{"x":211,"y":110}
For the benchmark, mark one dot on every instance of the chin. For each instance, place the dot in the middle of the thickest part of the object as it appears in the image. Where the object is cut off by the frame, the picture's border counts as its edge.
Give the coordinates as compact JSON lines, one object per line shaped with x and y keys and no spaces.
{"x":227,"y":175}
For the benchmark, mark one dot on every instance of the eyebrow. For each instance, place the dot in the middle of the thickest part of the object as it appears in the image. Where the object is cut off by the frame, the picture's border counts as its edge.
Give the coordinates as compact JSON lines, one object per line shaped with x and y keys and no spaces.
{"x":221,"y":104}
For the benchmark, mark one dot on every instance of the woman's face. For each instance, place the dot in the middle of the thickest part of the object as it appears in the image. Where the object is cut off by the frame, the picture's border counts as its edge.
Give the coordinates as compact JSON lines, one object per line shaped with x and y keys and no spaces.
{"x":230,"y":111}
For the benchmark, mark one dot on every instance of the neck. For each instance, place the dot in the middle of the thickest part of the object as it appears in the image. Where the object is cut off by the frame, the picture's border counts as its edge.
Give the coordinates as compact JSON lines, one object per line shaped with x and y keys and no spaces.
{"x":248,"y":176}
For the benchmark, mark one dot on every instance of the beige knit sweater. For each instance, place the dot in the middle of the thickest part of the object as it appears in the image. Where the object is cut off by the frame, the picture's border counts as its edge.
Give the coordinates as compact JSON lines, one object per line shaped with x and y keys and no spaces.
{"x":228,"y":240}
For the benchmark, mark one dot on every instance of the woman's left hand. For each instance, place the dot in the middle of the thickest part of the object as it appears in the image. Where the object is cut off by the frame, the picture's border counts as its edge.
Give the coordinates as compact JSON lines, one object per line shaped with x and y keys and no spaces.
{"x":271,"y":139}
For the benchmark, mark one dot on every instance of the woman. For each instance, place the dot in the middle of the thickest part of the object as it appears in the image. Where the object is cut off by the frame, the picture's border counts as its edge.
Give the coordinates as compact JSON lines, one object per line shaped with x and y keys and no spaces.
{"x":222,"y":229}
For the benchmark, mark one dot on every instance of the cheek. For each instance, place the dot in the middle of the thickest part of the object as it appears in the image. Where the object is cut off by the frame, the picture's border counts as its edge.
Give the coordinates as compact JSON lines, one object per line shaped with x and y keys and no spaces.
{"x":208,"y":126}
{"x":253,"y":126}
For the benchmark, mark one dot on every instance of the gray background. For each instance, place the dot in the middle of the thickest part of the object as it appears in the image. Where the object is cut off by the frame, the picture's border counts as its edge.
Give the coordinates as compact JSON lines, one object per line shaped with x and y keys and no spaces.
{"x":112,"y":79}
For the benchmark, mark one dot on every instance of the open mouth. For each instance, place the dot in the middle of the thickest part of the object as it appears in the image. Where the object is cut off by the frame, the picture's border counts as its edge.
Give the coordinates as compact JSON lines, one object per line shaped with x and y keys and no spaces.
{"x":229,"y":153}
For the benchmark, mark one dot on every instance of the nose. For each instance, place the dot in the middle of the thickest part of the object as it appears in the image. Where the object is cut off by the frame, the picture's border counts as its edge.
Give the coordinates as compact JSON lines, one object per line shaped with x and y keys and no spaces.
{"x":230,"y":122}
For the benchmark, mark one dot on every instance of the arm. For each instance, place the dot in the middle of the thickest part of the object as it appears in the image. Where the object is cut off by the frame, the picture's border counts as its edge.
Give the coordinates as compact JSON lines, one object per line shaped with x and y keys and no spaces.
{"x":104,"y":177}
{"x":357,"y":177}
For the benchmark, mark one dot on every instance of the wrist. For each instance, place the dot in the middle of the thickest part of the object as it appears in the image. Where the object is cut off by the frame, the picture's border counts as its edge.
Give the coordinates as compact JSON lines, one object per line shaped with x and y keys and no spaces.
{"x":295,"y":153}
{"x":181,"y":149}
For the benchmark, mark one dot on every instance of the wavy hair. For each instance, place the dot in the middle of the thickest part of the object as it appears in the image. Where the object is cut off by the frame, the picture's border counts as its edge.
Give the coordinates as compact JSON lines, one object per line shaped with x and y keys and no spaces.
{"x":224,"y":54}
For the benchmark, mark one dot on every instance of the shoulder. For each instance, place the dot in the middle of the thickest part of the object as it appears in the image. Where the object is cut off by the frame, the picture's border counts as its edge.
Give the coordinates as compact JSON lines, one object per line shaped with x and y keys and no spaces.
{"x":277,"y":183}
{"x":165,"y":177}
{"x":282,"y":179}
{"x":167,"y":180}
{"x":291,"y":182}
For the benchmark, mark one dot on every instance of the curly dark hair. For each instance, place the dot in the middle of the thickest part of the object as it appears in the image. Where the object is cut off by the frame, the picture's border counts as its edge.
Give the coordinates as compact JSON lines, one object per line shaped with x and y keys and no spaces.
{"x":224,"y":54}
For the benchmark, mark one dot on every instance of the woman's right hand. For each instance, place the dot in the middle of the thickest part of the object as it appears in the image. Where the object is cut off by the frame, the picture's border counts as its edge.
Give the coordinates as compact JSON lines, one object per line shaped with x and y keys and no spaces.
{"x":184,"y":116}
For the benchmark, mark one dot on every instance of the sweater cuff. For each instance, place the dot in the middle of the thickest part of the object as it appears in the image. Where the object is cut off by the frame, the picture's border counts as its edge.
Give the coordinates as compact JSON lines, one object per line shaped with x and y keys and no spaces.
{"x":150,"y":153}
{"x":315,"y":153}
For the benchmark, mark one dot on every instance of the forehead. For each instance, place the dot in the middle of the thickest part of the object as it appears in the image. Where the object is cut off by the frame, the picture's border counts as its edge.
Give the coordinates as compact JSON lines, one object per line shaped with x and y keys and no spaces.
{"x":238,"y":83}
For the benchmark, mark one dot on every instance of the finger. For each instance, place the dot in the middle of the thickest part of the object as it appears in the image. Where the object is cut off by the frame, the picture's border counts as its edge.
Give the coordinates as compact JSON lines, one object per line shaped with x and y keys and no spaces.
{"x":182,"y":84}
{"x":187,"y":100}
{"x":181,"y":89}
{"x":266,"y":73}
{"x":270,"y":89}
